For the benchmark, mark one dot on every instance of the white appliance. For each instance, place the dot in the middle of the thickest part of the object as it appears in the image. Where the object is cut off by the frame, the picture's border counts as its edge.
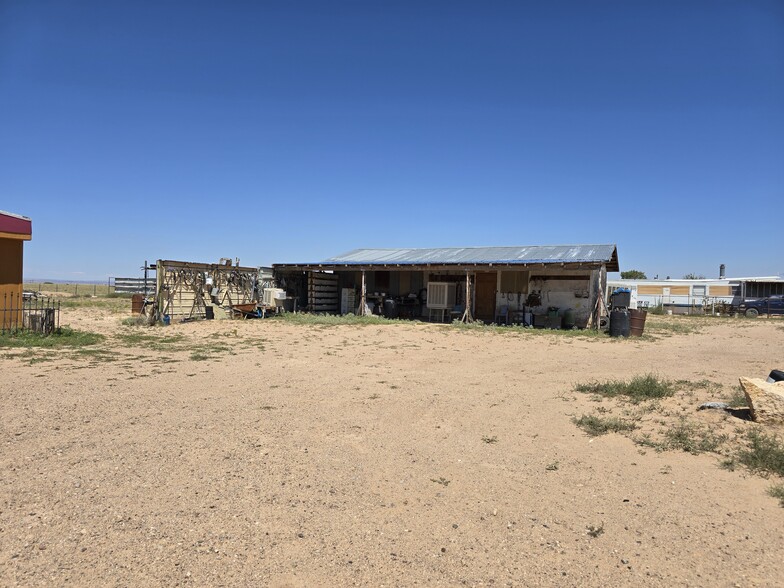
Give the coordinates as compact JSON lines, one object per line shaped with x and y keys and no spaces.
{"x":270,"y":294}
{"x":441,"y":295}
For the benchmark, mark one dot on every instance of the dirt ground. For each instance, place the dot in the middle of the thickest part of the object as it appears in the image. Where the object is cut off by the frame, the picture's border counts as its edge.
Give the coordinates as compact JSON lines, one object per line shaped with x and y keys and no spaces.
{"x":267,"y":453}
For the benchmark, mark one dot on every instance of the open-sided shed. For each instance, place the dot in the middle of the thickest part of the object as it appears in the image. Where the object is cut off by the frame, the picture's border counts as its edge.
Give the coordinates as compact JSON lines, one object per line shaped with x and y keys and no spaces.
{"x":491,"y":283}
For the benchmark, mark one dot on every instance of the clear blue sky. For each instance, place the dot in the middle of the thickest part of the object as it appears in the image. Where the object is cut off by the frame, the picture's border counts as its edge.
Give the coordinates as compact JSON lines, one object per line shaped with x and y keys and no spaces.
{"x":285,"y":131}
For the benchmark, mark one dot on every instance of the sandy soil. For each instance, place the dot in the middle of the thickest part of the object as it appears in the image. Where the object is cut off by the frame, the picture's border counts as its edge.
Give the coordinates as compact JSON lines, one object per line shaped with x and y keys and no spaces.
{"x":253,"y":453}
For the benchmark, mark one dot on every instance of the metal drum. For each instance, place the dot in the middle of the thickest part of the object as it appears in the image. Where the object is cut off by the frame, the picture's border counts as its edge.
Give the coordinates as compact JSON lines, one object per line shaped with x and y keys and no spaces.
{"x":619,"y":323}
{"x":637,"y":322}
{"x":568,"y":318}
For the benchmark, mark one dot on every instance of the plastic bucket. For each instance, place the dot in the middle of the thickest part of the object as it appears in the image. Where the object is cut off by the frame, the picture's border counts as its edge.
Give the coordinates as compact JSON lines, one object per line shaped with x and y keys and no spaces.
{"x":166,"y":319}
{"x":209,"y":312}
{"x":637,"y":322}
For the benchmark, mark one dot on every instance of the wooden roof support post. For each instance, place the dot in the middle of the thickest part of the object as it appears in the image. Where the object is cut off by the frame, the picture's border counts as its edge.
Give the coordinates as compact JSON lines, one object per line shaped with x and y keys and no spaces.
{"x":363,"y":297}
{"x":595,"y":289}
{"x":160,"y":270}
{"x":600,"y":305}
{"x":467,"y":318}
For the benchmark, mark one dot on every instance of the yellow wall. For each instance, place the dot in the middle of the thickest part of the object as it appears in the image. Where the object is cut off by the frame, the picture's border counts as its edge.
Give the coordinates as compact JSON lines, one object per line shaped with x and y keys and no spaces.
{"x":650,"y":290}
{"x":720,"y":290}
{"x":679,"y":290}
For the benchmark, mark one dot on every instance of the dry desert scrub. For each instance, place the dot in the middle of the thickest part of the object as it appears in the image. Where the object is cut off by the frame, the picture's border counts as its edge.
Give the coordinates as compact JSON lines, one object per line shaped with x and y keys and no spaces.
{"x":759,"y":451}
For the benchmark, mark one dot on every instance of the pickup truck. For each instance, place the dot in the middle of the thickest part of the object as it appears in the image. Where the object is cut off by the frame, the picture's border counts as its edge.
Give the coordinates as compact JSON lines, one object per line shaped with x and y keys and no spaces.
{"x":757,"y":306}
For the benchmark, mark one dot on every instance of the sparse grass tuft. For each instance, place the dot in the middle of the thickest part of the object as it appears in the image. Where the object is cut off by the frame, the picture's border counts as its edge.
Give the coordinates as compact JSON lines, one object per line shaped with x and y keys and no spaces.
{"x":693,"y":438}
{"x":96,"y":355}
{"x":304,"y":318}
{"x":646,"y":440}
{"x":777,"y":491}
{"x":764,"y":453}
{"x":595,"y":426}
{"x":135,"y":321}
{"x":594,"y":531}
{"x":204,"y":352}
{"x":736,"y":398}
{"x":113,"y":305}
{"x":64,"y":337}
{"x":479,"y":326}
{"x":141,"y":338}
{"x":637,"y":389}
{"x":672,"y":325}
{"x":490,"y":440}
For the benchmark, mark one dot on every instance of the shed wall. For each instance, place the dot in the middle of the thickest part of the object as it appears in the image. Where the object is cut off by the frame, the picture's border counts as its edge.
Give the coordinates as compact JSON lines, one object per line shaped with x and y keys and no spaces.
{"x":11,"y":254}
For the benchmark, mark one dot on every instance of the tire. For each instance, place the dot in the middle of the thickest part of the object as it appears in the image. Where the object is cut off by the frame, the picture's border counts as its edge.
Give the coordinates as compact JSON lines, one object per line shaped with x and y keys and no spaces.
{"x":752,"y":312}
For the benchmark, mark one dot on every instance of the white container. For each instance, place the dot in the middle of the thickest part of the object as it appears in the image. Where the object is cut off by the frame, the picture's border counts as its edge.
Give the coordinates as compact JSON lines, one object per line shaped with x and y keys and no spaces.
{"x":441,"y":295}
{"x":270,"y":295}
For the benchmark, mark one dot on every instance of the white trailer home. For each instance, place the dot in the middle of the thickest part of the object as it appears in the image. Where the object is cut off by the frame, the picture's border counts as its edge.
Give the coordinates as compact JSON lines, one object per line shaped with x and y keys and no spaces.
{"x":696,"y":296}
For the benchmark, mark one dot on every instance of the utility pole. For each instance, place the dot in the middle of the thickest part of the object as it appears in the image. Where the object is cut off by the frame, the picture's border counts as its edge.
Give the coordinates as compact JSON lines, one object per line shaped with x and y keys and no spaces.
{"x":145,"y":268}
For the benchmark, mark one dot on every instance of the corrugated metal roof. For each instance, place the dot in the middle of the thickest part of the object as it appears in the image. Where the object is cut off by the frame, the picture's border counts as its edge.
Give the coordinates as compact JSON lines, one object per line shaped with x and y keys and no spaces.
{"x":472,"y":255}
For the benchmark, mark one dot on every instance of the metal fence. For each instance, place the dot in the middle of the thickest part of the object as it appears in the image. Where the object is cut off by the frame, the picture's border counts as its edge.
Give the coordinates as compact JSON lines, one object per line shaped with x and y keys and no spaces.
{"x":29,"y":313}
{"x":133,"y":285}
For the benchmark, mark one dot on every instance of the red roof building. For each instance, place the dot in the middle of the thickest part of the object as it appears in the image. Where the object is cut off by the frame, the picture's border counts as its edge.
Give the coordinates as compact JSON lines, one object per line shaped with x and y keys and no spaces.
{"x":14,"y":231}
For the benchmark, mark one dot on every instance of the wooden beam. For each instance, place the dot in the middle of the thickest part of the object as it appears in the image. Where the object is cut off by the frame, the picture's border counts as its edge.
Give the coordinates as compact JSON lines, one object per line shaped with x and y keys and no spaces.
{"x":17,"y":236}
{"x":467,"y":316}
{"x":363,"y":297}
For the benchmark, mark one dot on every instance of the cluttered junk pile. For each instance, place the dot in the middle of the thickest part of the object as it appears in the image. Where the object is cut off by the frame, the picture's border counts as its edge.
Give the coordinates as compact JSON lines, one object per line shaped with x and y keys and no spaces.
{"x":187,"y":291}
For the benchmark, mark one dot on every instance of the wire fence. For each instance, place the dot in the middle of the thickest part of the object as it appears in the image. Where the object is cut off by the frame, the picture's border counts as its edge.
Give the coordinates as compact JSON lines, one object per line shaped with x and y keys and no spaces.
{"x":75,"y":289}
{"x":39,"y":314}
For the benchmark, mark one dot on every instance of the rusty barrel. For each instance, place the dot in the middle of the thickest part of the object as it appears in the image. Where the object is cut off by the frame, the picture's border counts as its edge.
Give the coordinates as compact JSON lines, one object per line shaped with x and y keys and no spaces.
{"x":137,"y":303}
{"x":637,"y":321}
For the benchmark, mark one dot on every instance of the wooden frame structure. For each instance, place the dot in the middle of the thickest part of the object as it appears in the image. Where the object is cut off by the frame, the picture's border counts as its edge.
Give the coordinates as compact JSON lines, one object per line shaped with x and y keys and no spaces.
{"x":183,"y":289}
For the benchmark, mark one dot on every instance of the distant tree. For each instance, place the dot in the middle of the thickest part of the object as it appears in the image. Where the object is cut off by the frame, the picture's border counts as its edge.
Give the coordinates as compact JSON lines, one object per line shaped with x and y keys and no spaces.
{"x":633,"y":275}
{"x":693,"y":277}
